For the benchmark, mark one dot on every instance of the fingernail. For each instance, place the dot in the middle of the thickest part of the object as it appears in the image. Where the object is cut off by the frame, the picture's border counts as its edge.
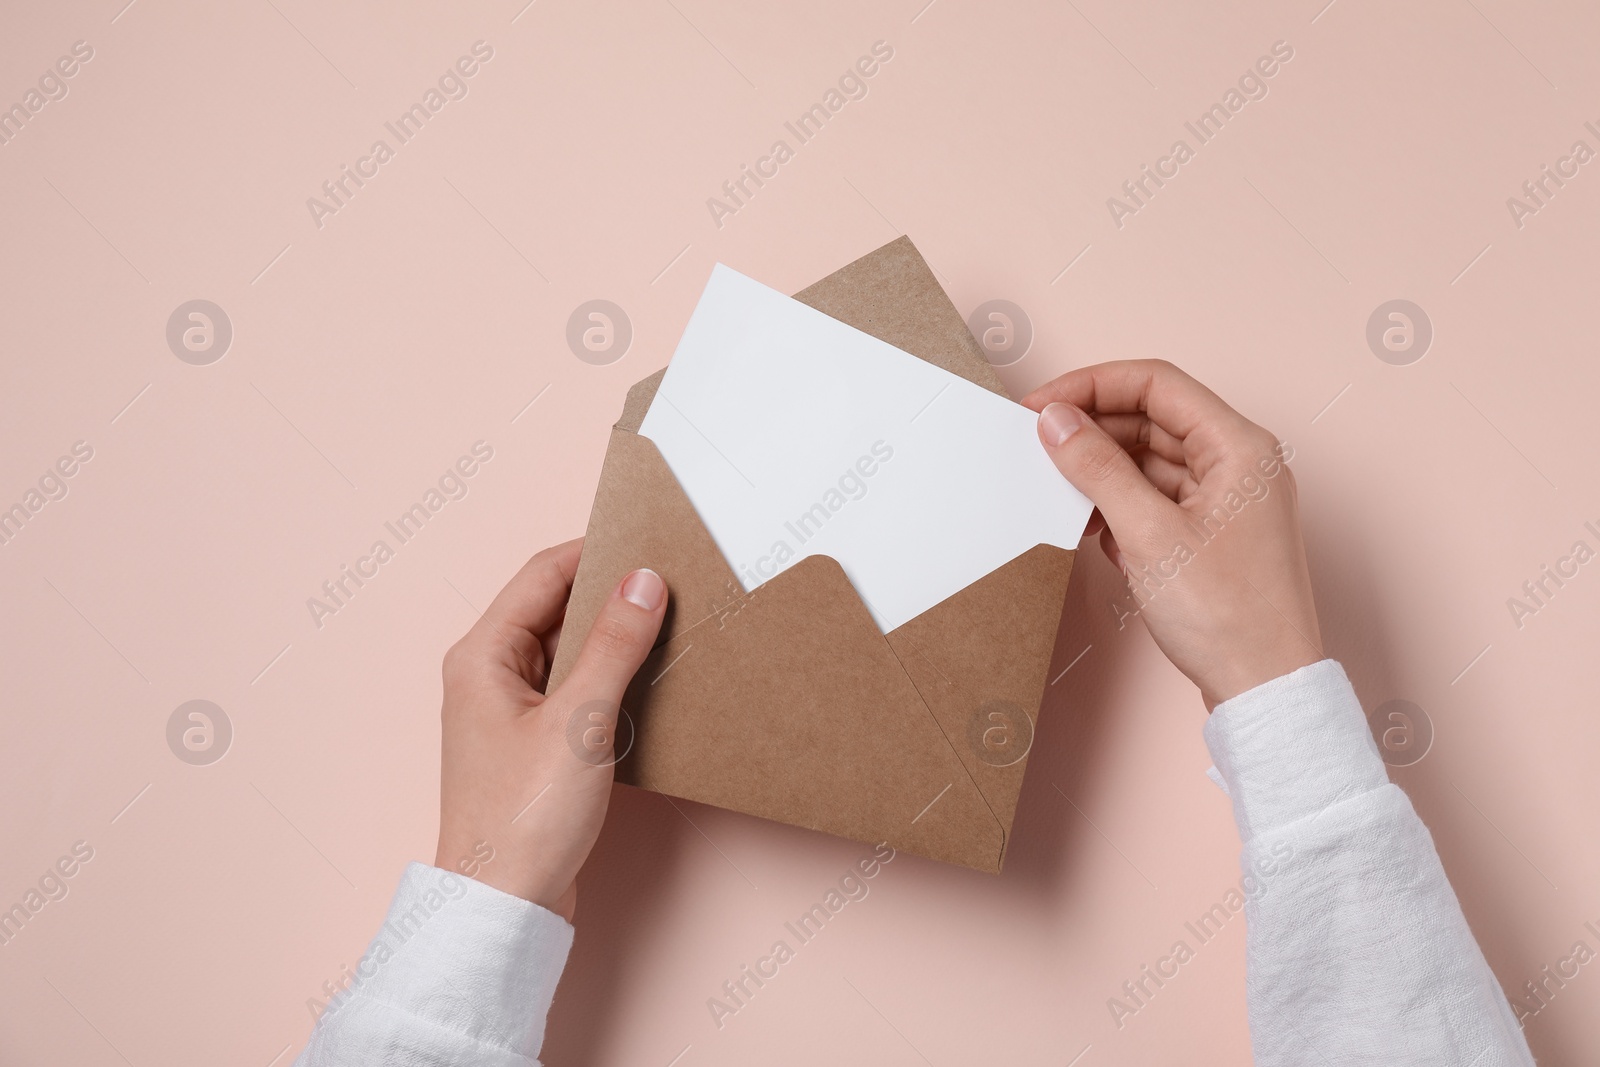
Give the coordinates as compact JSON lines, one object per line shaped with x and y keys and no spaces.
{"x":645,"y":588}
{"x":1057,"y":422}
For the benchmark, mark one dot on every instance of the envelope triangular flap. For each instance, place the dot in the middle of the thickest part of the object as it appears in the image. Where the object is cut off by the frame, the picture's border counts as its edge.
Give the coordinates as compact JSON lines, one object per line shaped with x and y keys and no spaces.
{"x":891,"y":294}
{"x":790,"y":705}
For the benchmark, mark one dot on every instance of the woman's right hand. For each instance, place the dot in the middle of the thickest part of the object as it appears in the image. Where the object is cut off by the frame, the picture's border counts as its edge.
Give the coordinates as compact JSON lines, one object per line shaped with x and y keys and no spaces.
{"x":1199,"y":513}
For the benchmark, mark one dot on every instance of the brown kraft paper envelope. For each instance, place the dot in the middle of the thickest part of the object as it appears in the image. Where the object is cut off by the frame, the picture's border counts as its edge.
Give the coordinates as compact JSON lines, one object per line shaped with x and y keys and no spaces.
{"x":787,"y":702}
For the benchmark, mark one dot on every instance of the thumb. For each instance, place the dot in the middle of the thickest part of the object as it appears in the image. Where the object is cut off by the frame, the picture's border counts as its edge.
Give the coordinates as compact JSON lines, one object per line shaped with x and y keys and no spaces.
{"x":1101,"y":470}
{"x":622,"y":636}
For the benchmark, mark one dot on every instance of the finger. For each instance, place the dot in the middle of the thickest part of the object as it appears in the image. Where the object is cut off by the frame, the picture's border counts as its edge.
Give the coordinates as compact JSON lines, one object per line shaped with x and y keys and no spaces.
{"x":622,"y":636}
{"x":1172,"y":399}
{"x":1102,"y":471}
{"x":536,"y":597}
{"x":1153,"y":386}
{"x":530,"y":605}
{"x":1173,"y":479}
{"x":1131,"y":430}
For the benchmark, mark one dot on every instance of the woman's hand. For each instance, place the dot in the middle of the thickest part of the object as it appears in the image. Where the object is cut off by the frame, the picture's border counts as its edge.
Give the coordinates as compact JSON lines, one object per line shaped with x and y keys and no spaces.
{"x":1199,"y":513}
{"x":527,"y":775}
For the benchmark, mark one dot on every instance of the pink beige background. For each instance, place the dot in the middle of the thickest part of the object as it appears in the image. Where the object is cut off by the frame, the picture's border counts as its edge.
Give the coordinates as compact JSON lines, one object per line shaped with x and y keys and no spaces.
{"x":431,"y":309}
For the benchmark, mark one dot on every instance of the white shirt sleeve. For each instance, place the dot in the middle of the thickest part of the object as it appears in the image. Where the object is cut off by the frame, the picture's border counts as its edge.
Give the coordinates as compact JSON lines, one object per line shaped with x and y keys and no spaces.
{"x":1357,"y":951}
{"x":459,"y":973}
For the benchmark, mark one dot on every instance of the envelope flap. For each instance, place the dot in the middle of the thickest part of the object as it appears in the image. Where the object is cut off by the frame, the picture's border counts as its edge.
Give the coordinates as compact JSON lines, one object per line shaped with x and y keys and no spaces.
{"x":792,"y":706}
{"x":891,"y":294}
{"x":980,"y":658}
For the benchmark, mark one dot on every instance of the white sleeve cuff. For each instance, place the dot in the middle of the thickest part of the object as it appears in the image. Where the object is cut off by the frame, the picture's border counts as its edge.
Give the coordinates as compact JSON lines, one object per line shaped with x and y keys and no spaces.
{"x":1293,"y":747}
{"x":458,"y":968}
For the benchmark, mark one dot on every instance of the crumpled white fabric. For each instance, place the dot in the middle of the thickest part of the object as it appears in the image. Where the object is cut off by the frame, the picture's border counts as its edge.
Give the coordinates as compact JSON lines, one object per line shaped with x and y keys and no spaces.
{"x":465,"y":975}
{"x":1357,"y":951}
